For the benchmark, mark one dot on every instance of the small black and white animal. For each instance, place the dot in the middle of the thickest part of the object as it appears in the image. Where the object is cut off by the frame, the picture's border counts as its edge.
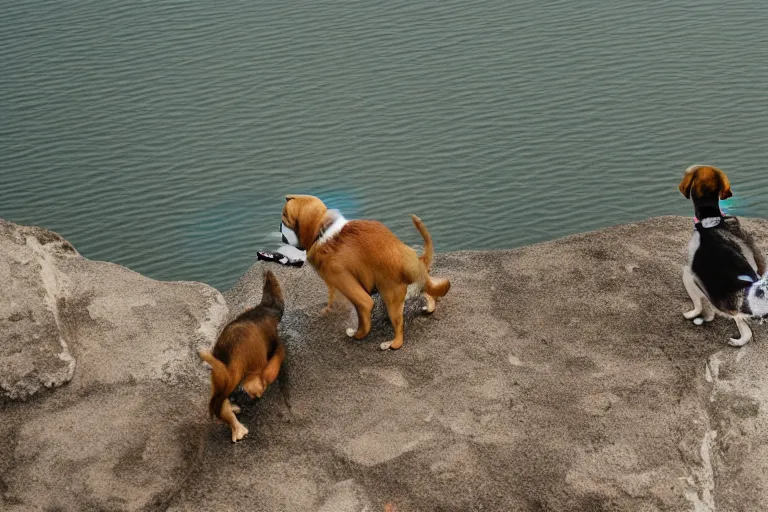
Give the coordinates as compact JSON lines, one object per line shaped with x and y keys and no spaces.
{"x":725,"y":267}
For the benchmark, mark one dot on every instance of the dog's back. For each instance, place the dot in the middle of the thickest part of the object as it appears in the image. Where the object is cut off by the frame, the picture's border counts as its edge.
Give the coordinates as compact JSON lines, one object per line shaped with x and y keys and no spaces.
{"x":724,"y":261}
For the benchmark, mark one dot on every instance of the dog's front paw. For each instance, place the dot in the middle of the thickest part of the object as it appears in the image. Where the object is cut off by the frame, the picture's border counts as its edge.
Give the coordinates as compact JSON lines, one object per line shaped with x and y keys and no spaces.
{"x":393,"y":345}
{"x":238,"y":432}
{"x":351,"y":332}
{"x":690,"y":315}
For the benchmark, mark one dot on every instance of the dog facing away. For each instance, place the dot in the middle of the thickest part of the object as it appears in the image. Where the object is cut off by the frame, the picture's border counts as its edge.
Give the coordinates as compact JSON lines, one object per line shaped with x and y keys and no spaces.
{"x":358,"y":257}
{"x":724,"y":266}
{"x":248,"y":350}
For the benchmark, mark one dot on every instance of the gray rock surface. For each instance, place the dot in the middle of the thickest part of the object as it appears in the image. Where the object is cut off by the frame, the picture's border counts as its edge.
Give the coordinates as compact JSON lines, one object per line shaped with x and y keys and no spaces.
{"x":124,"y":423}
{"x":560,"y":376}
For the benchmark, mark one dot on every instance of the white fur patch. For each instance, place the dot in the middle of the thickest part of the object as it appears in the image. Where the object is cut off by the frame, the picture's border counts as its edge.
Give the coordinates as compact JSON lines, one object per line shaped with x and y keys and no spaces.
{"x":292,"y":252}
{"x":757,"y":298}
{"x":289,"y":234}
{"x":414,"y":290}
{"x":333,"y":230}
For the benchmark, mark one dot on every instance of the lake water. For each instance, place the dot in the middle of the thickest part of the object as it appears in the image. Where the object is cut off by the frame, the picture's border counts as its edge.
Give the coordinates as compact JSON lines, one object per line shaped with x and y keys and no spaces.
{"x":163,"y":135}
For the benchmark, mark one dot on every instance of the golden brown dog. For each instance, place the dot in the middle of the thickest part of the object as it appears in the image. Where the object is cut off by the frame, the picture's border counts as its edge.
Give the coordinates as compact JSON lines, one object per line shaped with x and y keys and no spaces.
{"x":248,"y":351}
{"x":359,"y":257}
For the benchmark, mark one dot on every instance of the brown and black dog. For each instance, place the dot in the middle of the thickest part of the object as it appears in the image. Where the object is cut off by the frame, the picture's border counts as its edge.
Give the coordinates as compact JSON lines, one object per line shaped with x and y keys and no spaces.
{"x":248,"y":350}
{"x":725,"y":269}
{"x":359,"y":257}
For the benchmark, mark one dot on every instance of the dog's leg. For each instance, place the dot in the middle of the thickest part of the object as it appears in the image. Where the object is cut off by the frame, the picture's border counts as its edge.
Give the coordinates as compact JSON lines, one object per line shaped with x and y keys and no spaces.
{"x":271,"y":371}
{"x":744,"y":331}
{"x":394,"y":298}
{"x":351,"y":289}
{"x":331,"y":296}
{"x":431,"y":303}
{"x":228,"y":415}
{"x":694,"y":292}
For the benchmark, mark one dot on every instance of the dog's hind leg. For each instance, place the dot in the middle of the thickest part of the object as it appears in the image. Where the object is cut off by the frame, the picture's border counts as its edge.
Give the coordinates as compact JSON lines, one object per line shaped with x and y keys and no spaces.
{"x":745,"y":333}
{"x":431,"y":303}
{"x":394,"y":298}
{"x":351,"y":289}
{"x":228,"y":416}
{"x":694,"y":292}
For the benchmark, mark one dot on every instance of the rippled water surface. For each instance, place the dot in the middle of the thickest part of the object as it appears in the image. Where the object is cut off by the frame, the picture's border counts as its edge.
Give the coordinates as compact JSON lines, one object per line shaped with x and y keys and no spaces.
{"x":163,"y":135}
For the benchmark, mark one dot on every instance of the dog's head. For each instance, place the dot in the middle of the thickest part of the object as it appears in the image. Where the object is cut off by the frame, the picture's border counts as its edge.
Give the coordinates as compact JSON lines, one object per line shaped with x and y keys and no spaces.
{"x":272,"y":295}
{"x":301,"y":220}
{"x":705,"y":183}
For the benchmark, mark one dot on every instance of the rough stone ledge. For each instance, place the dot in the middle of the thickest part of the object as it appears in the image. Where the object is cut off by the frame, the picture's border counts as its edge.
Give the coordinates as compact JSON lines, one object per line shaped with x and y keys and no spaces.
{"x":559,"y":376}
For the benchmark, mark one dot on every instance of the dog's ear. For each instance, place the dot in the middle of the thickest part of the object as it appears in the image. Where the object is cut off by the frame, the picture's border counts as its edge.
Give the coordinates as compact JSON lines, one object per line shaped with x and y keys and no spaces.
{"x":725,"y":185}
{"x":687,"y":183}
{"x":288,"y":198}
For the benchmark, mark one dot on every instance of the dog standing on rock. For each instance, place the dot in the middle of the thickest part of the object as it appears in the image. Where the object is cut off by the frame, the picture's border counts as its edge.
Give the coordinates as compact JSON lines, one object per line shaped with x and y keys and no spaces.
{"x":725,"y":267}
{"x":359,"y":257}
{"x":248,"y":350}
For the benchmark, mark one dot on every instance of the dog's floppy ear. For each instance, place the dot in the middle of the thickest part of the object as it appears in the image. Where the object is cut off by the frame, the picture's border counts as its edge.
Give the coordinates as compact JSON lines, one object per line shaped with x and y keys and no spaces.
{"x":687,"y":183}
{"x":725,"y":185}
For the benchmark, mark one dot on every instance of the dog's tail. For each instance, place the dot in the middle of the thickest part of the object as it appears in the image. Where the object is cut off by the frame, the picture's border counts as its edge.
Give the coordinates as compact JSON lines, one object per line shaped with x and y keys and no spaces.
{"x":429,"y":249}
{"x":272,"y":295}
{"x":433,"y":286}
{"x":221,"y":382}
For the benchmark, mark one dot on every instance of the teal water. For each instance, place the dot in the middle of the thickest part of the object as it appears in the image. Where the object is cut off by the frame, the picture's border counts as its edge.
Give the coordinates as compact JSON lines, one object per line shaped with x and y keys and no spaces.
{"x":163,"y":135}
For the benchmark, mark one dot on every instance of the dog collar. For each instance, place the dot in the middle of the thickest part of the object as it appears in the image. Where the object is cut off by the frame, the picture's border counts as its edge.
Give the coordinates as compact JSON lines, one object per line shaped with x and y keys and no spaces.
{"x":333,"y":229}
{"x":709,"y":222}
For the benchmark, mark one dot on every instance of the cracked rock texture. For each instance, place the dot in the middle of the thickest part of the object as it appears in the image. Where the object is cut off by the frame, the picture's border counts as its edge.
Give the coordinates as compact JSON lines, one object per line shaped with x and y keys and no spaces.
{"x":555,"y":377}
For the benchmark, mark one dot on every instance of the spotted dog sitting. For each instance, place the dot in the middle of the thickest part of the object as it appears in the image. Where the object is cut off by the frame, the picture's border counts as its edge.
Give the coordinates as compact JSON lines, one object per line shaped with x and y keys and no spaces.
{"x":724,"y":266}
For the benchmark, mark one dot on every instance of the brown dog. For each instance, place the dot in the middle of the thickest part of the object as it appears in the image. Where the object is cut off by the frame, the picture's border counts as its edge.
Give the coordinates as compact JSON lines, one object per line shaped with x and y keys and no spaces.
{"x":248,"y":351}
{"x":359,"y":257}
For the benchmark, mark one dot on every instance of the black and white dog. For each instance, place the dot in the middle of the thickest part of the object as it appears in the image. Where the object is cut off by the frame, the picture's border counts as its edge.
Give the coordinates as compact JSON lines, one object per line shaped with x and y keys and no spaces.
{"x":724,"y":264}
